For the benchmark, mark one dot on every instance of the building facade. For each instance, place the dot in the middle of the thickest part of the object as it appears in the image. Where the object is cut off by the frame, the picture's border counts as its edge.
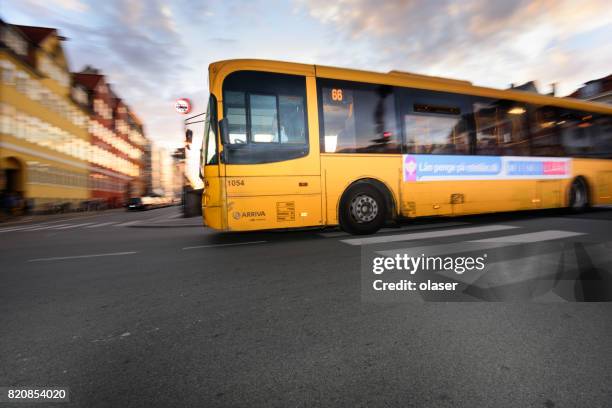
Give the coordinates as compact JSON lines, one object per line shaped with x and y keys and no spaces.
{"x":148,"y":168}
{"x":136,"y":136}
{"x":597,"y":90}
{"x":162,"y":172}
{"x":44,"y":142}
{"x":118,"y":141}
{"x":67,"y":140}
{"x":179,"y":179}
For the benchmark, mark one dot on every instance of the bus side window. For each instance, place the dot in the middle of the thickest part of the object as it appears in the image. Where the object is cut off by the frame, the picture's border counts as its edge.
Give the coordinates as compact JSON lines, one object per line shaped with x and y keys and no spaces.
{"x":487,"y":132}
{"x":603,"y":125}
{"x":338,"y":120}
{"x":358,"y":118}
{"x":514,"y":140}
{"x":586,"y":134}
{"x":501,"y":128}
{"x":545,"y":130}
{"x":435,"y":122}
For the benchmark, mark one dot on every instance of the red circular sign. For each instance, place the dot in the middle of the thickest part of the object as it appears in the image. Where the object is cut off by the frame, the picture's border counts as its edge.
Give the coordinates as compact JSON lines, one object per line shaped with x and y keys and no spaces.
{"x":182,"y":106}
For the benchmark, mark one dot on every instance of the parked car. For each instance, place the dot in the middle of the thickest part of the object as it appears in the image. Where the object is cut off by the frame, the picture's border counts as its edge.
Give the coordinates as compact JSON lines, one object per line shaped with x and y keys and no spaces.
{"x":148,"y":202}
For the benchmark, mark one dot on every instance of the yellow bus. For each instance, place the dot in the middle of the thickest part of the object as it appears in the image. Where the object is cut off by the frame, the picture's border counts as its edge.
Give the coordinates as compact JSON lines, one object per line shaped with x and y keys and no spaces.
{"x":291,"y":145}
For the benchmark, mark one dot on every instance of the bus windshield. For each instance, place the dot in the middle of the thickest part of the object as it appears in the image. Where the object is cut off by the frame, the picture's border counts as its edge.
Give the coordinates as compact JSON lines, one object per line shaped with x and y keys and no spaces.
{"x":266,"y":116}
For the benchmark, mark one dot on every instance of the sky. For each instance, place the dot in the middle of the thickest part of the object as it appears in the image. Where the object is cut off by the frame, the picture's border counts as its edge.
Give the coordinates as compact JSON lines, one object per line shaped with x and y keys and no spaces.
{"x":155,"y":51}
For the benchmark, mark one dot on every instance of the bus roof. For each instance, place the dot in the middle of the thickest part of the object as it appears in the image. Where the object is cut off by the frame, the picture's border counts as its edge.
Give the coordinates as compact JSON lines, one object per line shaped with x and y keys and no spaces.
{"x":399,"y":78}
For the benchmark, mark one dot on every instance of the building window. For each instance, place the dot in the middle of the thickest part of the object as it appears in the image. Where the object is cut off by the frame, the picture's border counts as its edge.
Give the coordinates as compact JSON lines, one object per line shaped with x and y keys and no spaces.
{"x":21,"y":82}
{"x":8,"y":72}
{"x":7,"y":119}
{"x":14,"y":41}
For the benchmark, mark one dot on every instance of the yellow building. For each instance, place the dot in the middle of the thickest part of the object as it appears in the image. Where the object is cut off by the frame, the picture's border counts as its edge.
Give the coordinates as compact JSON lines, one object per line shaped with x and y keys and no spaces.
{"x":44,"y":139}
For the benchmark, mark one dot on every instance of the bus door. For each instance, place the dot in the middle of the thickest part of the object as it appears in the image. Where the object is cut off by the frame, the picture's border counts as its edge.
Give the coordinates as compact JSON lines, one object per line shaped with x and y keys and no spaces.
{"x":270,"y":151}
{"x":210,"y":170}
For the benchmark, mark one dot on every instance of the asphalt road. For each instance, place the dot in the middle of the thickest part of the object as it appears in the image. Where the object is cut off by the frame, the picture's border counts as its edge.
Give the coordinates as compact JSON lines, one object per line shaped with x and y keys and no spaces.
{"x":148,"y":309}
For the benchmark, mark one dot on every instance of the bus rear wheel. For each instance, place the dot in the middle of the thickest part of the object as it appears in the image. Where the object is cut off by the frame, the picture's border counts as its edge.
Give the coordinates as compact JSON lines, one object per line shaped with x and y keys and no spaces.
{"x":579,"y":196}
{"x":362,"y":209}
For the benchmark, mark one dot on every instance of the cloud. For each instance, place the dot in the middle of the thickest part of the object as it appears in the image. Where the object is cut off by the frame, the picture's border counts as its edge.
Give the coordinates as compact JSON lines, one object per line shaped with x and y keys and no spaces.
{"x":137,"y":45}
{"x":225,"y":41}
{"x":154,"y":51}
{"x":72,"y":5}
{"x":489,"y":42}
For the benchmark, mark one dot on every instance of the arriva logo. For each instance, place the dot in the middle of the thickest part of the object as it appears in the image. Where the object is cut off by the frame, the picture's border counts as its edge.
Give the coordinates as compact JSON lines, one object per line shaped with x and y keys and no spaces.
{"x":251,"y":214}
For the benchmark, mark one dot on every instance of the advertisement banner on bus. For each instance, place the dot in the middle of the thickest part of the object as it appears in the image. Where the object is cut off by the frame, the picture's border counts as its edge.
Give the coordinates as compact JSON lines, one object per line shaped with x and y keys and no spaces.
{"x":423,"y":167}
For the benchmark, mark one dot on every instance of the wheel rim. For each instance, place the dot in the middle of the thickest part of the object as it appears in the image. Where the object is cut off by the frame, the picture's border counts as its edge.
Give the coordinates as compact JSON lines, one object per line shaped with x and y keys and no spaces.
{"x":364,"y":208}
{"x":579,"y":196}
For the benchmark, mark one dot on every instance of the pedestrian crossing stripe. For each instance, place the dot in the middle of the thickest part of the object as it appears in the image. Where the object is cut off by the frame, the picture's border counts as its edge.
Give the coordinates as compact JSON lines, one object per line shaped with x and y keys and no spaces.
{"x":69,"y":226}
{"x":427,"y":235}
{"x":30,"y":226}
{"x":100,"y":225}
{"x":46,"y":227}
{"x":532,"y":237}
{"x":431,"y":226}
{"x":61,"y":227}
{"x":125,"y":224}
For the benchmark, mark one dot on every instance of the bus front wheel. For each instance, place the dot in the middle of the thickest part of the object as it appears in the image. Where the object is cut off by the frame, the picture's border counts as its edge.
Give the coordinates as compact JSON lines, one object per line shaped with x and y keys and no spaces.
{"x":362,"y":209}
{"x":579,"y":195}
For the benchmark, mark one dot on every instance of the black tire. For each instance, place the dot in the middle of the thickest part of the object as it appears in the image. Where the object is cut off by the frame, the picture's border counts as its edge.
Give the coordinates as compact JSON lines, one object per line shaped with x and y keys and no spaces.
{"x":362,"y":209}
{"x":579,"y":195}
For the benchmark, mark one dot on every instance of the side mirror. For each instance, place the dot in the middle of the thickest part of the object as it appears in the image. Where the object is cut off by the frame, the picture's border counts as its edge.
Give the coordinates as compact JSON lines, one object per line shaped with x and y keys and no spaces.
{"x":224,"y":129}
{"x":188,"y":139}
{"x":201,"y":164}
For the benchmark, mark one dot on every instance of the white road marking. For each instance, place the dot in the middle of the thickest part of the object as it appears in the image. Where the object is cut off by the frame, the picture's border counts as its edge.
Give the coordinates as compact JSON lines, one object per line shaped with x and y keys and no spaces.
{"x":21,"y":226}
{"x":72,"y":226}
{"x":30,"y":226}
{"x":47,"y":227}
{"x":159,"y":217}
{"x":444,"y":249}
{"x":17,"y":223}
{"x":426,"y":235}
{"x":60,"y":258}
{"x":482,"y":244}
{"x":532,"y":237}
{"x":335,"y":234}
{"x":224,"y":245}
{"x":17,"y":229}
{"x":100,"y":225}
{"x":125,"y":224}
